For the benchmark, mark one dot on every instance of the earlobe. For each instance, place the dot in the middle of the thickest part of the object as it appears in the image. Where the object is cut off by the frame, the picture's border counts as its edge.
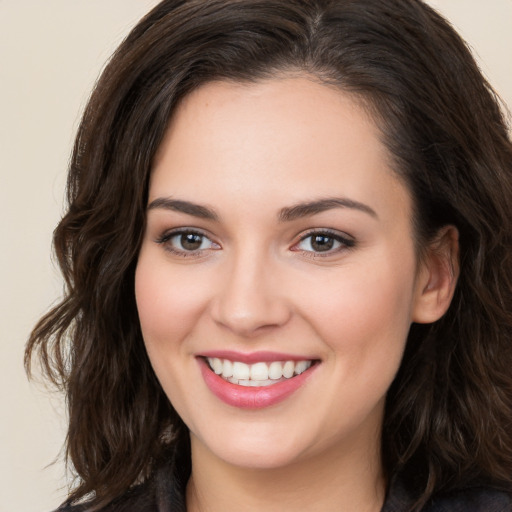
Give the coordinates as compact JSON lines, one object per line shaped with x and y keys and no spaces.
{"x":437,"y":277}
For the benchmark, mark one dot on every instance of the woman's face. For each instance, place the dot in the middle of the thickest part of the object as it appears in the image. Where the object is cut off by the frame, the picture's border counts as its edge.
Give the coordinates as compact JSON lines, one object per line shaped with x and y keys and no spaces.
{"x":278,"y":240}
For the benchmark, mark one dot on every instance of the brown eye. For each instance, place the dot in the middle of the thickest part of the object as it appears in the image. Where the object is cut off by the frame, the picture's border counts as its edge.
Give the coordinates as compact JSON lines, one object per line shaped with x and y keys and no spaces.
{"x":187,"y":242}
{"x":190,"y":241}
{"x":322,"y":243}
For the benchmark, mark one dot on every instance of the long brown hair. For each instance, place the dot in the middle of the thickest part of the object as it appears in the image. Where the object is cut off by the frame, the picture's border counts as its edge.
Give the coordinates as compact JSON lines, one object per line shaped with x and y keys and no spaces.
{"x":449,"y":411}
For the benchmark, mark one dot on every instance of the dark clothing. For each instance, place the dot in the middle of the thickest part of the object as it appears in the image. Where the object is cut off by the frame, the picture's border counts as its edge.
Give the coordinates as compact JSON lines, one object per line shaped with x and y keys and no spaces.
{"x":165,"y":493}
{"x":473,"y":499}
{"x":162,"y":497}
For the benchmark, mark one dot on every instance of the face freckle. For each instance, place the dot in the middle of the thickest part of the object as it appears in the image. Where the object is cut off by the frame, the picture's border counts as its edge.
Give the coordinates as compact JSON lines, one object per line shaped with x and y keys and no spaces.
{"x":276,"y":231}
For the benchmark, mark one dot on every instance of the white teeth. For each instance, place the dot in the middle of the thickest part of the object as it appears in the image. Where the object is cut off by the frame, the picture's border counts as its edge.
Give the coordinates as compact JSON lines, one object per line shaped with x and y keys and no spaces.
{"x":302,"y":366}
{"x":259,"y":371}
{"x":275,"y":370}
{"x":289,"y":369}
{"x":257,"y":374}
{"x":241,"y":371}
{"x":216,"y":365}
{"x":227,"y":368}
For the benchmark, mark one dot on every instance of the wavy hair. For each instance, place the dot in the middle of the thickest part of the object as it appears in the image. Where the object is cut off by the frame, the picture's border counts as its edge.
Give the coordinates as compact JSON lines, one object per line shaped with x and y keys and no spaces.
{"x":448,"y":418}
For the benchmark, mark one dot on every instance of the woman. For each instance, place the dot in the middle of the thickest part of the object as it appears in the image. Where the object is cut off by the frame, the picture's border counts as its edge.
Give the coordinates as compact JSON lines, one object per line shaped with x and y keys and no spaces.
{"x":287,"y":259}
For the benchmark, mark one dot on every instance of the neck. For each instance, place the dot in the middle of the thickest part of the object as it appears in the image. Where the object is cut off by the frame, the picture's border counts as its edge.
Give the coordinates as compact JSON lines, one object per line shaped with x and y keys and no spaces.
{"x":339,"y":480}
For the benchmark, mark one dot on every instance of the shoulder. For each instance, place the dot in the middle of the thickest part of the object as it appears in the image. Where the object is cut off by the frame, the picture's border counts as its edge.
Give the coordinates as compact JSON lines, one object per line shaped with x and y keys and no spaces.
{"x":164,"y":491}
{"x":471,"y":499}
{"x":476,"y":499}
{"x":138,"y":499}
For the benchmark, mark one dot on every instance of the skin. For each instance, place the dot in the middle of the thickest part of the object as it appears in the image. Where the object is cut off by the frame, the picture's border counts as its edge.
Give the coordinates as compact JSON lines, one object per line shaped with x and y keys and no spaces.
{"x":246,"y":152}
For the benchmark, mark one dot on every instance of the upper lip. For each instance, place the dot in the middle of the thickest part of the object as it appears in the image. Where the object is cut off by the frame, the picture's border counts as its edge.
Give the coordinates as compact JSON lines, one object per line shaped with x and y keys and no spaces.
{"x":255,"y":357}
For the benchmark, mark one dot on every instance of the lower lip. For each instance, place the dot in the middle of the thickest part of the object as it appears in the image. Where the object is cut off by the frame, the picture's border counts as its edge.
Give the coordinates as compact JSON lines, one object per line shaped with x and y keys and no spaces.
{"x":245,"y":397}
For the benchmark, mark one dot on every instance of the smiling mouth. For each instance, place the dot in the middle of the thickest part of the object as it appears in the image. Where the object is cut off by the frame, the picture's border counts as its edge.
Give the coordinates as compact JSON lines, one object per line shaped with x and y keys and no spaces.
{"x":257,"y":374}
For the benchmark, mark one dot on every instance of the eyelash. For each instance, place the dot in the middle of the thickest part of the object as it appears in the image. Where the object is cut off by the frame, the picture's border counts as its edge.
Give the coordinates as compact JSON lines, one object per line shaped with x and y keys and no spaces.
{"x":344,"y":242}
{"x":166,"y":238}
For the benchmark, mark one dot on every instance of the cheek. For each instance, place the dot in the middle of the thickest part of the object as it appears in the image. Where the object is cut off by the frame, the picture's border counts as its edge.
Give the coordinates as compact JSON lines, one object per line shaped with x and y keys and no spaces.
{"x":364,"y":311}
{"x":364,"y":318}
{"x":168,"y":311}
{"x":167,"y":307}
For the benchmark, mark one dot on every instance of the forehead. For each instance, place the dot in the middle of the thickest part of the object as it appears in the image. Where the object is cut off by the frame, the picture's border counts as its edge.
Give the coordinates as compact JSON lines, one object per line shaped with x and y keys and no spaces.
{"x":283,"y":138}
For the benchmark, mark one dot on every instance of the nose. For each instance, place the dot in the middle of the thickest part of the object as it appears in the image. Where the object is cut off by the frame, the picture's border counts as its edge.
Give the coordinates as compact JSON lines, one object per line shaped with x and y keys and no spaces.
{"x":250,"y":297}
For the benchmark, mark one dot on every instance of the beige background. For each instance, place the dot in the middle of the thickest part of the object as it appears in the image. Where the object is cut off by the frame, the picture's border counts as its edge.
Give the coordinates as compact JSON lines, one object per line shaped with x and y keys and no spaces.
{"x":51,"y":51}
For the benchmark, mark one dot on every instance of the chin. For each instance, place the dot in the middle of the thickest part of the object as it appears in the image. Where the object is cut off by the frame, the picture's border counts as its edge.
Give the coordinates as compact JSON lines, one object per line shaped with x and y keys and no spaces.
{"x":266,"y":447}
{"x":258,"y":459}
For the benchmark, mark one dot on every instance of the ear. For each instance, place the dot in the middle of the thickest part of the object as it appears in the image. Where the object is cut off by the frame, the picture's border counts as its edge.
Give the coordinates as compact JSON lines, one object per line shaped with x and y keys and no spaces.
{"x":437,"y":276}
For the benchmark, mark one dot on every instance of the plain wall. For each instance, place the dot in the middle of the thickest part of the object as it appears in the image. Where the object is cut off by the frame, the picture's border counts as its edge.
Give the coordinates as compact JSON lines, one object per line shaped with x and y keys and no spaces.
{"x":51,"y":52}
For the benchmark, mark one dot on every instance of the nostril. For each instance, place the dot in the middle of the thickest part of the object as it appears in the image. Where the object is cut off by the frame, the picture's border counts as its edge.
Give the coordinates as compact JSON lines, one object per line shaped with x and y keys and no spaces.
{"x":249,"y":300}
{"x":250,"y":315}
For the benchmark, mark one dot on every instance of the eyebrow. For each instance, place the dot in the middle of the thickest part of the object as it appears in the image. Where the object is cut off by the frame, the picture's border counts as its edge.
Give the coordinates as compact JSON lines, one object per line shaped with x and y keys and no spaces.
{"x":286,"y":214}
{"x":313,"y":207}
{"x":187,"y":207}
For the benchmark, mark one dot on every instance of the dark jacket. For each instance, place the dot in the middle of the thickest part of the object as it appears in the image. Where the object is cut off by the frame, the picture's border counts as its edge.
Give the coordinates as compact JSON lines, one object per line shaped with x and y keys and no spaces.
{"x":162,"y":497}
{"x":166,"y":493}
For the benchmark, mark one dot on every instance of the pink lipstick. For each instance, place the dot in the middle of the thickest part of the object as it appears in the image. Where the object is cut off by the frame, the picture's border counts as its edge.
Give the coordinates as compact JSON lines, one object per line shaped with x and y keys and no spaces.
{"x":272,"y":383}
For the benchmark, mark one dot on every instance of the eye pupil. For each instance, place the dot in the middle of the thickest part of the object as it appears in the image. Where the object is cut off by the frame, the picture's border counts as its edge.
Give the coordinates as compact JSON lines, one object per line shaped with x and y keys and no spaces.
{"x":191,"y":241}
{"x":322,"y":243}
